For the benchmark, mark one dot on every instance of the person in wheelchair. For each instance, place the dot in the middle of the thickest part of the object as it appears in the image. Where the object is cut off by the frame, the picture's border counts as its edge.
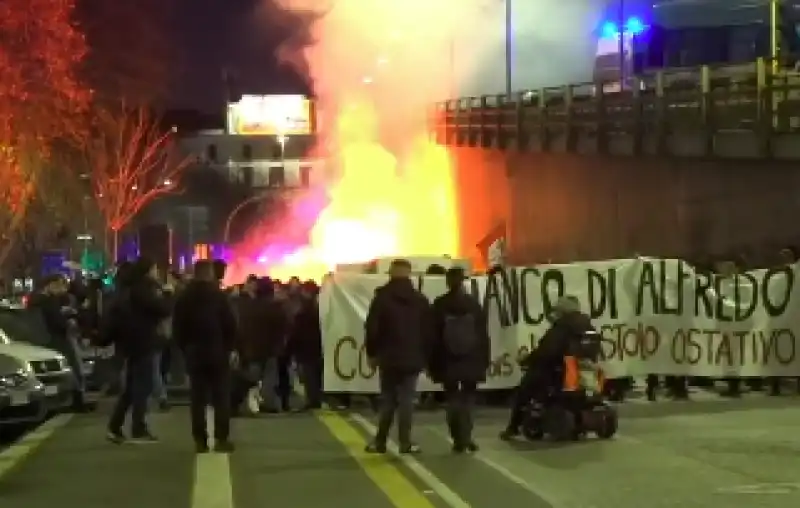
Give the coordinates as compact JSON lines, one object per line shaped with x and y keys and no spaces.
{"x":543,"y":368}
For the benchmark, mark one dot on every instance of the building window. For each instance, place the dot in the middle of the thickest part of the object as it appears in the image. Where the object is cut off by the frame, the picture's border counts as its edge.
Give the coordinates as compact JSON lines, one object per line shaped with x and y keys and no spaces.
{"x":276,"y":176}
{"x":305,"y":176}
{"x":211,"y":153}
{"x":247,"y":177}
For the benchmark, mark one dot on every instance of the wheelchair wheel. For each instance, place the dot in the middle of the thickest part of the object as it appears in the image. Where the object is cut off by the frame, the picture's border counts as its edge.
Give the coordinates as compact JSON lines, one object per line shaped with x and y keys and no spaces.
{"x":607,"y":426}
{"x":560,"y":424}
{"x":532,"y":426}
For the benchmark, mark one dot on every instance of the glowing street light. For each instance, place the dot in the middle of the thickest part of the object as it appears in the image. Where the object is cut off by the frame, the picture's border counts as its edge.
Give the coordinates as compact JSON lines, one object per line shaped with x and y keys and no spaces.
{"x":367,"y":80}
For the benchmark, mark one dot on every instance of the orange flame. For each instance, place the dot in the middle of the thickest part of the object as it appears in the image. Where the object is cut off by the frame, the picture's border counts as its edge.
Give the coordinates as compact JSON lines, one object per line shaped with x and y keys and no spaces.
{"x":379,"y":206}
{"x":375,"y":68}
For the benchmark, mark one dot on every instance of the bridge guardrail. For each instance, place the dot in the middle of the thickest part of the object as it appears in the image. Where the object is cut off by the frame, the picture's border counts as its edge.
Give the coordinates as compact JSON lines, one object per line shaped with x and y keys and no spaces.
{"x":749,"y":98}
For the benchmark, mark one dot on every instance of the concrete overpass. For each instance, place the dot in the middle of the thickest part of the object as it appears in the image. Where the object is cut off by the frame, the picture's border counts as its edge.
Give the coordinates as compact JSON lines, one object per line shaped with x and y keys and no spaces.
{"x":708,"y":155}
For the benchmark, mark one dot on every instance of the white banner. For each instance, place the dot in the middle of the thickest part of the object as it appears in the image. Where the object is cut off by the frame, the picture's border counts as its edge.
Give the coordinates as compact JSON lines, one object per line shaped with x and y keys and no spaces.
{"x":657,"y":316}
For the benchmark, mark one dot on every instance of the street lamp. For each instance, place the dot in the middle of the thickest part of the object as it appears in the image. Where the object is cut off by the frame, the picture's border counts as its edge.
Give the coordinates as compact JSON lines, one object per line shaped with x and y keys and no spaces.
{"x":227,"y":231}
{"x":509,"y":40}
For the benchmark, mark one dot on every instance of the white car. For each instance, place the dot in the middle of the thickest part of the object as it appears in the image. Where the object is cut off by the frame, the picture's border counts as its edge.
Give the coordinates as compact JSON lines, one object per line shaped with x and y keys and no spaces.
{"x":47,"y":366}
{"x":22,"y":397}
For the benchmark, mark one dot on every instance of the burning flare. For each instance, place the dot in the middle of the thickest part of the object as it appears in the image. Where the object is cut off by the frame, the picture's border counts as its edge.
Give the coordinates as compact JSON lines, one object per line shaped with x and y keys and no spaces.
{"x":388,"y":190}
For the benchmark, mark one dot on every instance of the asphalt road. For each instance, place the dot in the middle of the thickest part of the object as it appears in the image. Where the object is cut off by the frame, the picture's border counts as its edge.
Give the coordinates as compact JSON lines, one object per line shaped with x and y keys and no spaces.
{"x":740,"y":454}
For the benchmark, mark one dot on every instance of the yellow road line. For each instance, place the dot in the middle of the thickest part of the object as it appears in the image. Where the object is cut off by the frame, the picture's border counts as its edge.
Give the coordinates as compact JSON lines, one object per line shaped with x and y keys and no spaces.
{"x":15,"y":454}
{"x":394,"y":484}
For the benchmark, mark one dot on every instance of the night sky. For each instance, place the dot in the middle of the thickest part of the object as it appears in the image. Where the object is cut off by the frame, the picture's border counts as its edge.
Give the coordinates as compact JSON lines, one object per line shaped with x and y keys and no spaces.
{"x":210,"y":35}
{"x":171,"y":53}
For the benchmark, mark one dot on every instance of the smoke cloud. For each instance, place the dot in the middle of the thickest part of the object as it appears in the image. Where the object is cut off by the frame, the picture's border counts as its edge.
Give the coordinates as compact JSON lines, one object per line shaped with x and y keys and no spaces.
{"x":376,"y":67}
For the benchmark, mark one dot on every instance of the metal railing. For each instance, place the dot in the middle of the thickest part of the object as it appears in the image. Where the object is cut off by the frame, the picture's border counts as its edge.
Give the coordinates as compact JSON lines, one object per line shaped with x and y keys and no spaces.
{"x":707,"y":100}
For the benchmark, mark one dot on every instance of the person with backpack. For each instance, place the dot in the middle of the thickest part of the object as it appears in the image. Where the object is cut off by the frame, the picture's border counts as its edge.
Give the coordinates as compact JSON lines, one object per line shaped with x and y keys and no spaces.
{"x":460,"y":356}
{"x":397,"y":339}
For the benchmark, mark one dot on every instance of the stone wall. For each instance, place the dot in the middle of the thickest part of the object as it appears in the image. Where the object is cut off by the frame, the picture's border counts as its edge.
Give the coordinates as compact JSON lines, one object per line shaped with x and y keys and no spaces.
{"x":565,"y":207}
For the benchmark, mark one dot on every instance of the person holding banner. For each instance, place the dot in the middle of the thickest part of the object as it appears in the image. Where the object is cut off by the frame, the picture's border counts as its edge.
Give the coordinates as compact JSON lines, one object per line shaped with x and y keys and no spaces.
{"x":460,"y":356}
{"x":397,"y":339}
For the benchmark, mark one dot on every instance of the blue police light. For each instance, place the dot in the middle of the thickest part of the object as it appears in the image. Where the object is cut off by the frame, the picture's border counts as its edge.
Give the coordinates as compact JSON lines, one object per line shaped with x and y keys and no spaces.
{"x":635,"y":26}
{"x":609,"y":30}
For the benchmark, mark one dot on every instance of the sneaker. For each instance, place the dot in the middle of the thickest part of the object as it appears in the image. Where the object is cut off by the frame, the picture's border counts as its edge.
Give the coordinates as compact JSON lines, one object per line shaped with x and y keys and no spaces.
{"x":471,"y":447}
{"x":224,"y":446}
{"x":458,"y":448}
{"x":410,"y":449}
{"x":375,"y":448}
{"x":144,"y":438}
{"x":201,"y":447}
{"x":509,"y":434}
{"x":115,"y":436}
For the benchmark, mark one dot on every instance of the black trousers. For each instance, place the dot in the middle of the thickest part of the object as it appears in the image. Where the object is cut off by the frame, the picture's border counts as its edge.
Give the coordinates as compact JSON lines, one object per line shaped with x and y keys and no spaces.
{"x":532,"y":386}
{"x":284,"y":387}
{"x":397,"y":397}
{"x":312,"y":372}
{"x":133,"y":397}
{"x":460,"y":396}
{"x":210,"y":386}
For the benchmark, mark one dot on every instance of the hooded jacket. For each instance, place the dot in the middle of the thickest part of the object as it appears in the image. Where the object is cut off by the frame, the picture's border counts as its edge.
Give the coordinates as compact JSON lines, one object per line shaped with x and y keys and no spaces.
{"x":398,"y":328}
{"x":555,"y":343}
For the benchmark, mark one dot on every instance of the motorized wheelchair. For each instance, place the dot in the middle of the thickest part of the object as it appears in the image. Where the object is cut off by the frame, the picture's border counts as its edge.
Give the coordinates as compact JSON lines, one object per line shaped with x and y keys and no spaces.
{"x":572,"y":405}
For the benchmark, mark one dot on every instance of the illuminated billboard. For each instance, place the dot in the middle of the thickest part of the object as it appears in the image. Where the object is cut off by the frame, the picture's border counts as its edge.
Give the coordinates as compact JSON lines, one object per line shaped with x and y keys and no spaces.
{"x":270,"y":115}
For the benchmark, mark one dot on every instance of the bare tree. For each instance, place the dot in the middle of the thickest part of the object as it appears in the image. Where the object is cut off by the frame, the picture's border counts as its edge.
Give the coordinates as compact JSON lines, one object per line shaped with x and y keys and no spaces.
{"x":132,"y":160}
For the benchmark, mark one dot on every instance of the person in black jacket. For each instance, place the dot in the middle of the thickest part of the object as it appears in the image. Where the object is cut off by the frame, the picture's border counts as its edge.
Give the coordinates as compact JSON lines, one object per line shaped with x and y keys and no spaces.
{"x":204,"y":327}
{"x":569,"y":324}
{"x":134,"y":319}
{"x":305,"y":347}
{"x":60,"y":319}
{"x":460,"y":355}
{"x":397,"y":340}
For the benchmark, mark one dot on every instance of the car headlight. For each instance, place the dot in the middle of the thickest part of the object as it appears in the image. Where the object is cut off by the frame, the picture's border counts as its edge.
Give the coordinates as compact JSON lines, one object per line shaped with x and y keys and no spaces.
{"x":14,"y":380}
{"x":63,"y":364}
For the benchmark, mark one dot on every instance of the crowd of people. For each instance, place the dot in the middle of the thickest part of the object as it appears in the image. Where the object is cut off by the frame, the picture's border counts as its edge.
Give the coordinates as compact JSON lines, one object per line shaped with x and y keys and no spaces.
{"x":238,"y":344}
{"x":231,"y":341}
{"x":243,"y":339}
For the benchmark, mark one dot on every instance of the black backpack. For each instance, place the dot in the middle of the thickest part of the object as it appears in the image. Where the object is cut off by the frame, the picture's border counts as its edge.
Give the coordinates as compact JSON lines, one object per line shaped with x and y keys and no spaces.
{"x":460,"y":334}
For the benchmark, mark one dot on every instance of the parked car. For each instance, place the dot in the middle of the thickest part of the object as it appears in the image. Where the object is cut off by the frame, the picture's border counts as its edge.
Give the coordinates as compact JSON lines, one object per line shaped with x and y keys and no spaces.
{"x":28,"y":326}
{"x":5,"y":397}
{"x":19,"y":340}
{"x":22,"y":396}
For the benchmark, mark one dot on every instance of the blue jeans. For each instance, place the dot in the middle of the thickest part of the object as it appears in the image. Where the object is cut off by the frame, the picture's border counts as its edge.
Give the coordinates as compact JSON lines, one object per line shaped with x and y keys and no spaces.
{"x":135,"y":393}
{"x":159,"y":389}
